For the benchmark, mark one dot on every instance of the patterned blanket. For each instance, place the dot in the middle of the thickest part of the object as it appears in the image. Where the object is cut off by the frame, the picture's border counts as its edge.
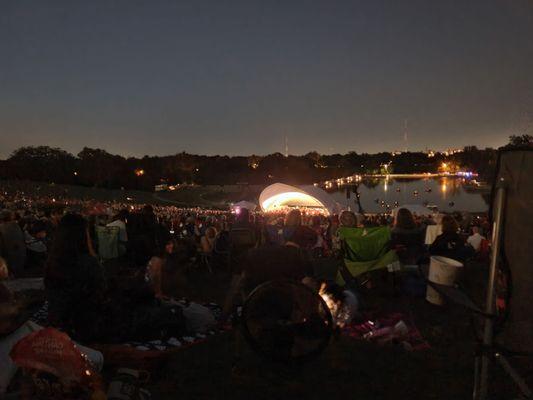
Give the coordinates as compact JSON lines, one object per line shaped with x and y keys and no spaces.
{"x":41,"y":318}
{"x":395,"y":328}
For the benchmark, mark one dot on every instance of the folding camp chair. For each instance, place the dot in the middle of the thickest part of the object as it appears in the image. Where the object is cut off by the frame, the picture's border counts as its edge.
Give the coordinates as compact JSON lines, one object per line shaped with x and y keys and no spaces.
{"x":365,"y":250}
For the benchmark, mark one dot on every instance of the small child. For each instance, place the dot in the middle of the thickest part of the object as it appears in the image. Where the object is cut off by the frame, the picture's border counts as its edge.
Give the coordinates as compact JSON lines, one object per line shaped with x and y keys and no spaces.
{"x":343,"y":303}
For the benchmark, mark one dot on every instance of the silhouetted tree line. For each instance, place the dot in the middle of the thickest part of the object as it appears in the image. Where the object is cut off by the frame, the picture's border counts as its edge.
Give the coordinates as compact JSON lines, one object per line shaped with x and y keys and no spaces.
{"x":98,"y":168}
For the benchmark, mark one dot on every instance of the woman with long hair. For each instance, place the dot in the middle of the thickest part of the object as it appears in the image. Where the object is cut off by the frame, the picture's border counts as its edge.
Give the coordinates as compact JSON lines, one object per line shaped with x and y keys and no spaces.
{"x":77,"y":295}
{"x":449,"y":243}
{"x":407,"y":237}
{"x":74,"y":280}
{"x":293,"y":220}
{"x":404,"y":219}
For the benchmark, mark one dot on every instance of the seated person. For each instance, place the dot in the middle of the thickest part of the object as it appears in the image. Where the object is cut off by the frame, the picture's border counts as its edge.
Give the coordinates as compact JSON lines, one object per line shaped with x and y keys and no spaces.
{"x":166,"y":271}
{"x":207,"y":242}
{"x":342,"y":303}
{"x":407,"y":237}
{"x":267,"y":263}
{"x":475,"y":239}
{"x":154,"y":270}
{"x":12,"y":244}
{"x":78,"y":300}
{"x":74,"y":280}
{"x":293,"y":220}
{"x":449,"y":243}
{"x":7,"y":307}
{"x":36,"y":249}
{"x":14,"y":326}
{"x":347,"y":219}
{"x":320,"y":248}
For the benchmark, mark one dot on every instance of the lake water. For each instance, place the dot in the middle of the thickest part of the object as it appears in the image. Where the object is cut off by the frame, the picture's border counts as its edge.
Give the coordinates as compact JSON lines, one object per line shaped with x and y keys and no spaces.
{"x":448,"y":194}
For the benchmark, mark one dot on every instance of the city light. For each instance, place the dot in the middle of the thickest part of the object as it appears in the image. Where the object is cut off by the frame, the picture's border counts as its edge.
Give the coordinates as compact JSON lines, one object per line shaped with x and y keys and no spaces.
{"x":139,"y":172}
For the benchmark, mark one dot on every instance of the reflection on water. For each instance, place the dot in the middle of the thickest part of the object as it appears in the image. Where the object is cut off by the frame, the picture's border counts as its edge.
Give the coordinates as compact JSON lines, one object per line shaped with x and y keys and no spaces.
{"x":448,"y":194}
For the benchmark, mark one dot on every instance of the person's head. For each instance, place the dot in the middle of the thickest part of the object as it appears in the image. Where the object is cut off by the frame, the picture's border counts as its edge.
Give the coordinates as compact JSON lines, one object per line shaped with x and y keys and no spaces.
{"x":147,"y":210}
{"x":348,"y":219}
{"x":333,"y":295}
{"x":334,"y":290}
{"x":458,"y":217}
{"x":449,"y":224}
{"x":475,"y":230}
{"x":303,"y":237}
{"x":37,"y":229}
{"x":123,"y":215}
{"x":210,"y":232}
{"x":293,"y":218}
{"x":6,"y":216}
{"x":71,"y":241}
{"x":170,"y":246}
{"x":316,"y":221}
{"x":404,"y":219}
{"x":4,"y":272}
{"x":243,"y":215}
{"x":56,"y":213}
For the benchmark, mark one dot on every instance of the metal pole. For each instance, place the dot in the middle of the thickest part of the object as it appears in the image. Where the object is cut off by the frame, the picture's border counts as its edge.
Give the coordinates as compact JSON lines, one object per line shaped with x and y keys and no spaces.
{"x":519,"y":381}
{"x":477,"y":362}
{"x":489,"y":306}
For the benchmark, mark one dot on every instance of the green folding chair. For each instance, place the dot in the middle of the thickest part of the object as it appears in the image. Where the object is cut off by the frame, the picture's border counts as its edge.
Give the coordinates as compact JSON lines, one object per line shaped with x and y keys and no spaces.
{"x":365,"y":250}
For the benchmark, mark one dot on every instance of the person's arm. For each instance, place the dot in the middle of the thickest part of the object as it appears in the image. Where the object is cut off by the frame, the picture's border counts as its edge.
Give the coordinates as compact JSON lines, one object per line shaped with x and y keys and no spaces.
{"x":92,"y":279}
{"x":236,"y":287}
{"x":436,"y":245}
{"x":206,"y":248}
{"x":155,"y":268}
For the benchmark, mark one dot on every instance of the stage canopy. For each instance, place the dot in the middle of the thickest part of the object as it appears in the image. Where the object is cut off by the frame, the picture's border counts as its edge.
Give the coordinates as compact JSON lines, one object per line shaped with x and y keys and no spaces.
{"x":280,"y":195}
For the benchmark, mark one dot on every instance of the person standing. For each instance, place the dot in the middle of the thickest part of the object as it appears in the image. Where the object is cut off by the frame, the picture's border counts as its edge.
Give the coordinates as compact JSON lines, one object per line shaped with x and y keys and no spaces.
{"x":120,"y":222}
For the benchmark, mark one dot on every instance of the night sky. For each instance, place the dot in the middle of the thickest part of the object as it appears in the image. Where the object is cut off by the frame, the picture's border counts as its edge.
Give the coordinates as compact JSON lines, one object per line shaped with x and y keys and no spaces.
{"x":236,"y":77}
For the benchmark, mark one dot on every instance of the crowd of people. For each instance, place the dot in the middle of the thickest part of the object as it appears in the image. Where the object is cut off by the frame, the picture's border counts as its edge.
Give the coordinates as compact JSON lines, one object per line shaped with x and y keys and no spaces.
{"x":159,"y":245}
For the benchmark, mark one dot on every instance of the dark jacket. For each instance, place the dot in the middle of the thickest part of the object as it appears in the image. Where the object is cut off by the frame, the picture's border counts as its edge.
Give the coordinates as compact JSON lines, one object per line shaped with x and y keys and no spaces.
{"x":76,"y":298}
{"x":409,"y":244}
{"x":450,"y":245}
{"x":276,"y":262}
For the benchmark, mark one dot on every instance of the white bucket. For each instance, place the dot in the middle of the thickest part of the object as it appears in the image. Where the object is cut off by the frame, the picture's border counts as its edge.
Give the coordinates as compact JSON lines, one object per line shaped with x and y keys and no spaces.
{"x":442,"y":270}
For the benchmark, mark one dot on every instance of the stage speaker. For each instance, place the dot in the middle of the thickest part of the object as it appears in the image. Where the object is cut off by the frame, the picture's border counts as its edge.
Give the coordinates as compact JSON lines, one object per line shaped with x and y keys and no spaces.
{"x":515,"y":173}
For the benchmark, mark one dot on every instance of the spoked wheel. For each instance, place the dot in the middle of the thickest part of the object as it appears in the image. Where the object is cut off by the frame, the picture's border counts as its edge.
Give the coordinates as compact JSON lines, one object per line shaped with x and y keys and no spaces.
{"x":286,"y":321}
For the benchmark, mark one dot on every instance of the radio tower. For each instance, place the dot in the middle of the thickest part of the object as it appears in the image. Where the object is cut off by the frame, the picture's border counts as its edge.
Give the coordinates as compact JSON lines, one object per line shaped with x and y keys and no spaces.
{"x":405,"y":131}
{"x":286,"y":146}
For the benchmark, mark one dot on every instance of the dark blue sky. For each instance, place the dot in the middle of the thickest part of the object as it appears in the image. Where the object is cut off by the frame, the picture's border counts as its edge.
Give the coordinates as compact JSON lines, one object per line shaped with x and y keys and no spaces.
{"x":236,"y":77}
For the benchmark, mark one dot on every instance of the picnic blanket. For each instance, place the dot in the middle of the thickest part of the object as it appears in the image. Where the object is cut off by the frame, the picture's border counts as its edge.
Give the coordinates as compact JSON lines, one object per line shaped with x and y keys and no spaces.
{"x":41,"y":318}
{"x":20,"y":285}
{"x":394,"y":328}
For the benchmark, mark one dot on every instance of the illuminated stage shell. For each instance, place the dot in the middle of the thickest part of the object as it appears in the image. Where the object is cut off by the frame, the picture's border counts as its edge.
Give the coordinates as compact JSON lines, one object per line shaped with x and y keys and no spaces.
{"x":280,"y":195}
